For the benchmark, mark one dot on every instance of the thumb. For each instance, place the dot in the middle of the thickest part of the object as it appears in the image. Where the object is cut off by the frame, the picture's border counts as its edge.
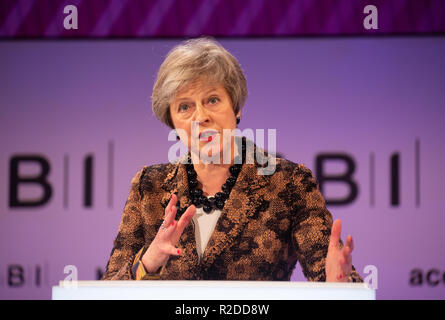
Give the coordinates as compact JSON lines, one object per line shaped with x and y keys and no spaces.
{"x":173,"y":251}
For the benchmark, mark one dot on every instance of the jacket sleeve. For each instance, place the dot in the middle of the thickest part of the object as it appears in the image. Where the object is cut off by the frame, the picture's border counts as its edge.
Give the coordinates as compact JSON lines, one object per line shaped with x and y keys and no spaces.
{"x":312,"y":223}
{"x":139,"y":271}
{"x":129,"y":239}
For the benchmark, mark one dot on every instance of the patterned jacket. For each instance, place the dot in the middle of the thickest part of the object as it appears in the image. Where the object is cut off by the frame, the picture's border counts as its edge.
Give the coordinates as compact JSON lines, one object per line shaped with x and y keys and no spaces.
{"x":268,"y":224}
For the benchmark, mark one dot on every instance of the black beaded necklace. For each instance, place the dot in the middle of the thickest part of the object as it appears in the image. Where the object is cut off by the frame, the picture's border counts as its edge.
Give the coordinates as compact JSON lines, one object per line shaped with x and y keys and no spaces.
{"x":219,"y":199}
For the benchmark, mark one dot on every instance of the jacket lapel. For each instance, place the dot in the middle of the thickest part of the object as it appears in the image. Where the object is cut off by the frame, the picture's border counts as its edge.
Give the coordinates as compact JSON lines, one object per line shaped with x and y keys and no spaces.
{"x":242,"y":205}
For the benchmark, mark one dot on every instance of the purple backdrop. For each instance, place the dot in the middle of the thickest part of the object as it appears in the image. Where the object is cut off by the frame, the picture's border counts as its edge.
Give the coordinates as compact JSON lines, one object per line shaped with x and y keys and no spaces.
{"x":180,"y":18}
{"x":367,"y":98}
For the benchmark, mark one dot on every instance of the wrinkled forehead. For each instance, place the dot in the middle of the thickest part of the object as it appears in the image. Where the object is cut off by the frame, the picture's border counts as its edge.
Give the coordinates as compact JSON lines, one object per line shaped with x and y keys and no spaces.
{"x":198,"y":86}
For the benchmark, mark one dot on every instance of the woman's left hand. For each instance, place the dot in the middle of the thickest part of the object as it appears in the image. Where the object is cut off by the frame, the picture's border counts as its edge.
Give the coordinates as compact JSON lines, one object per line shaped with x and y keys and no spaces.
{"x":339,"y":259}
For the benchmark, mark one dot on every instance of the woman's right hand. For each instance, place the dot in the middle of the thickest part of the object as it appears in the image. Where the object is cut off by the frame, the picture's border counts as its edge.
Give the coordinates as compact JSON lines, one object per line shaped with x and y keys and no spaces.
{"x":164,"y":243}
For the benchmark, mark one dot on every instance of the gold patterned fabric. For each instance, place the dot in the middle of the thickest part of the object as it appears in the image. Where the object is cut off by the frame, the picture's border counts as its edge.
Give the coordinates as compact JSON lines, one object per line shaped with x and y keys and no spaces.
{"x":268,"y":224}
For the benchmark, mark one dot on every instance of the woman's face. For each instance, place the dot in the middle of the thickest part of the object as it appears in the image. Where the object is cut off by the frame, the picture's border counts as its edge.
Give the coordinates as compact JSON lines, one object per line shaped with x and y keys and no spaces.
{"x":209,"y":107}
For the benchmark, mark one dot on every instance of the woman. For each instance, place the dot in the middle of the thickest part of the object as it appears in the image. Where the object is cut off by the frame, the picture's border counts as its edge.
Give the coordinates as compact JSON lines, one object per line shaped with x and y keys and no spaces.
{"x":221,"y":220}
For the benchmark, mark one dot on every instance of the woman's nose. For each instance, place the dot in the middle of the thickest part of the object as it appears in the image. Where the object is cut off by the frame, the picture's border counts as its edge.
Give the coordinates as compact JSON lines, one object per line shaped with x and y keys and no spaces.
{"x":201,"y":114}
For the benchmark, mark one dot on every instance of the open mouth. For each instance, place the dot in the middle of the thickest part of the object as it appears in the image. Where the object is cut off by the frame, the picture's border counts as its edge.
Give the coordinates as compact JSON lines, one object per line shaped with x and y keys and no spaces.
{"x":207,"y":135}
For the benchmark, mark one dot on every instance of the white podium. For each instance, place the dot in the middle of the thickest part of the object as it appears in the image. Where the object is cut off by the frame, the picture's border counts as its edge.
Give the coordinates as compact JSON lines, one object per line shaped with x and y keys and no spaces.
{"x":210,"y":290}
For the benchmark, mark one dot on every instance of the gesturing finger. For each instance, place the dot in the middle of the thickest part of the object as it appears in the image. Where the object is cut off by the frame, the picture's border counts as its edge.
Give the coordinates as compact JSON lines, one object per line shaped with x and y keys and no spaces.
{"x":184,"y":221}
{"x":347,"y":266}
{"x":346,"y":251}
{"x":346,"y":261}
{"x":170,"y":211}
{"x":166,"y":233}
{"x":350,"y":243}
{"x":167,"y":228}
{"x":335,"y":233}
{"x":171,"y":203}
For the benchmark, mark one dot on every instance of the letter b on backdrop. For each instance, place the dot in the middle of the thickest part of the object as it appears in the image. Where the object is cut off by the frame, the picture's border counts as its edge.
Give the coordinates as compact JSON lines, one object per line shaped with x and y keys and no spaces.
{"x":40,"y":180}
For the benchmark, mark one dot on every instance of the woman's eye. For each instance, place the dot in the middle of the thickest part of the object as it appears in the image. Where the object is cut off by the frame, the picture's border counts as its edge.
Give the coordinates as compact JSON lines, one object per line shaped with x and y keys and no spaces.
{"x":213,"y":100}
{"x":183,"y":107}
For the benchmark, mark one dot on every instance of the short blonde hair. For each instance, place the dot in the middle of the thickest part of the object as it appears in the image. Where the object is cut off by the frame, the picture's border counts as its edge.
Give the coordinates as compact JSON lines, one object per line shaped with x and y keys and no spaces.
{"x":190,"y":60}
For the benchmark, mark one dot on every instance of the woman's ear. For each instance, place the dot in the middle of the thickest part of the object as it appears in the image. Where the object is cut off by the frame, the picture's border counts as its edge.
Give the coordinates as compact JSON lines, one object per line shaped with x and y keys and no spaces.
{"x":238,"y":117}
